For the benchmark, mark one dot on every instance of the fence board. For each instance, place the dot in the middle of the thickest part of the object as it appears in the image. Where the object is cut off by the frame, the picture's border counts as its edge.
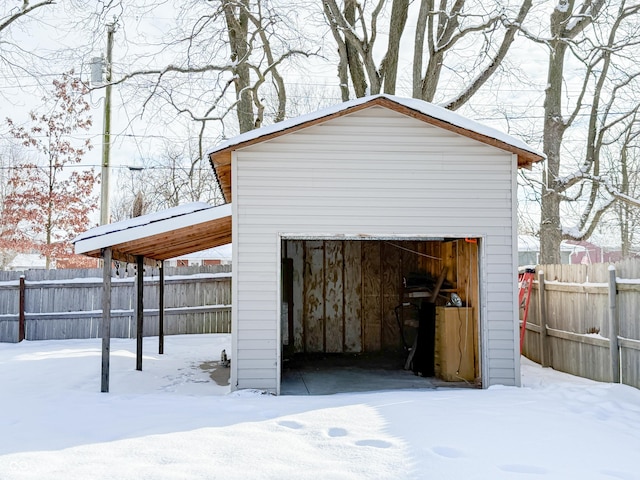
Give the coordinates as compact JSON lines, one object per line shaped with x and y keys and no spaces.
{"x":65,"y":304}
{"x":577,"y":308}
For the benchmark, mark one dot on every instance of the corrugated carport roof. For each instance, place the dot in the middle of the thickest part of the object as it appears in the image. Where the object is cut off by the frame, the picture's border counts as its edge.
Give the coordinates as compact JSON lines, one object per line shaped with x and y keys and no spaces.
{"x":161,"y":235}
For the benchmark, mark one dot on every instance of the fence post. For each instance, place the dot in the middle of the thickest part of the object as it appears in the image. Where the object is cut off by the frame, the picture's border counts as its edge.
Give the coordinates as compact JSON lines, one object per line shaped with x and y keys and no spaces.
{"x":613,"y":327}
{"x":542,"y":312}
{"x":21,"y":314}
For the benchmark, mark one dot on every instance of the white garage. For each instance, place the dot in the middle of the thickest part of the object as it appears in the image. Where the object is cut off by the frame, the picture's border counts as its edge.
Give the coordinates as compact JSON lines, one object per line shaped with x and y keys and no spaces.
{"x":356,"y":225}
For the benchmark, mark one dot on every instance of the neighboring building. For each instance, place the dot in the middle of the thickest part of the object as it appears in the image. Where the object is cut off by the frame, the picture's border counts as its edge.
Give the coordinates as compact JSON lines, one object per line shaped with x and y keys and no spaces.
{"x":529,"y":251}
{"x":592,"y":253}
{"x":331,"y":210}
{"x":35,"y":261}
{"x":212,"y":256}
{"x":27,"y":261}
{"x":571,"y":252}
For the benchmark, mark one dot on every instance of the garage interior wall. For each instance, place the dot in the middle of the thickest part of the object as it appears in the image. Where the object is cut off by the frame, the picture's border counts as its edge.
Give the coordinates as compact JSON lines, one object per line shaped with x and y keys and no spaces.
{"x":343,"y":293}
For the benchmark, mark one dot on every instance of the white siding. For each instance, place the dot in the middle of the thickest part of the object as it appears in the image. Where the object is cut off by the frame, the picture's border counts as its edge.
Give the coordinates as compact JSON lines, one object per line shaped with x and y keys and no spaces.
{"x":373,"y":172}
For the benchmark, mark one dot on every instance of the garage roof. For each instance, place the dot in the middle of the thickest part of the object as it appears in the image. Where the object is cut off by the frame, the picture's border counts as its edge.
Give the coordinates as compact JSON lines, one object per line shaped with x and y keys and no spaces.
{"x":161,"y":235}
{"x":220,"y":155}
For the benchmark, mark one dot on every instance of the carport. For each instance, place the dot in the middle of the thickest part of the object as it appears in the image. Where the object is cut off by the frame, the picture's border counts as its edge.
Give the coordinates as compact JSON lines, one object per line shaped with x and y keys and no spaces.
{"x":150,"y":240}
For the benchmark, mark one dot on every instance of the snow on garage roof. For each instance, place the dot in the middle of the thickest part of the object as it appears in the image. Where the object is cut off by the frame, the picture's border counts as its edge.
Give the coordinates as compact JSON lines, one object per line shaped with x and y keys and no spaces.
{"x":420,"y":106}
{"x":220,"y":155}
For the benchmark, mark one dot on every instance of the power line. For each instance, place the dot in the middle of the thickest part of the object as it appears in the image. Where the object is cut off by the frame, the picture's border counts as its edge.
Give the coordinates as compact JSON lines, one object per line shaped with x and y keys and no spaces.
{"x":128,"y":167}
{"x":331,"y":84}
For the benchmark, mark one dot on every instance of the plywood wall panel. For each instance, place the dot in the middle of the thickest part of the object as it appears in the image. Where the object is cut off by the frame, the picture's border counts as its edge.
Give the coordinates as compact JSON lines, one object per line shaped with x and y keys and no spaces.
{"x":314,"y":296}
{"x":295,"y":251}
{"x":333,"y":296}
{"x":391,"y":263}
{"x":372,"y":291}
{"x":352,"y":255}
{"x":345,"y":292}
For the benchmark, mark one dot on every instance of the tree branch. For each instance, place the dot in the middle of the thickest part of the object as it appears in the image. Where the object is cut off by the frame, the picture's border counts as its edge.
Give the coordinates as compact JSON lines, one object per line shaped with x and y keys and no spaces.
{"x":496,"y":61}
{"x":25,"y":10}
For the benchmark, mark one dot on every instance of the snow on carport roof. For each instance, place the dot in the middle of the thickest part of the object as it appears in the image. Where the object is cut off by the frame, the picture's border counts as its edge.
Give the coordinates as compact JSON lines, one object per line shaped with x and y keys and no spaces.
{"x":160,"y":235}
{"x":420,"y":106}
{"x":143,"y":220}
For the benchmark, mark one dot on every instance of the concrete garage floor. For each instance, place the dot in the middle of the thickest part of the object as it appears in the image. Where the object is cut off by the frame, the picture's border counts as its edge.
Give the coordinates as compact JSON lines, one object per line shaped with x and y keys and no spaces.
{"x":327,"y":374}
{"x":330,"y":374}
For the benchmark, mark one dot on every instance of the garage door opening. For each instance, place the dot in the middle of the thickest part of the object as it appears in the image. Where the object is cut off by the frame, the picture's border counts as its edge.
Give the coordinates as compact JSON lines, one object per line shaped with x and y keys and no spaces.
{"x":379,"y":314}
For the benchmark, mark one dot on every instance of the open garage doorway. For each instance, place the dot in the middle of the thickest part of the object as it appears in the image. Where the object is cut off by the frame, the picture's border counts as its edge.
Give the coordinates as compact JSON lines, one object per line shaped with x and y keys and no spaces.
{"x":381,"y":313}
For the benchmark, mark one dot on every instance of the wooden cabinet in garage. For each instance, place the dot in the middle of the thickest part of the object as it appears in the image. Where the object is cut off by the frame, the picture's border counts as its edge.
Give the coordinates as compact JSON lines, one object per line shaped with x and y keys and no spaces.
{"x":456,"y":344}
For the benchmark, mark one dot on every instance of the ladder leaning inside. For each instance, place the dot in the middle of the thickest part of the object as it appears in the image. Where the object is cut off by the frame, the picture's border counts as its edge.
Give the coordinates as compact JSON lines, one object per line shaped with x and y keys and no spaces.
{"x":525,"y":283}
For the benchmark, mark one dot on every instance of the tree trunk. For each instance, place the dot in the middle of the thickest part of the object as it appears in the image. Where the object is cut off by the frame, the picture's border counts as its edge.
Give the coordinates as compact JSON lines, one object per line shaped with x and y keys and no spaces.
{"x":562,"y":33}
{"x":431,"y":76}
{"x":418,"y":49}
{"x":343,"y":71}
{"x":343,"y":52}
{"x":439,"y":34}
{"x":50,"y":206}
{"x":390,"y":63}
{"x":356,"y":68}
{"x":624,"y":209}
{"x":554,"y":128}
{"x":237,"y":30}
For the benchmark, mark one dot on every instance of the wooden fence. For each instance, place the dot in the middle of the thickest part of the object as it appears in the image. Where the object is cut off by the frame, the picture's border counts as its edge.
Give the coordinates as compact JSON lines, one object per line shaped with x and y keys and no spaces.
{"x":63,"y":304}
{"x":583,"y":307}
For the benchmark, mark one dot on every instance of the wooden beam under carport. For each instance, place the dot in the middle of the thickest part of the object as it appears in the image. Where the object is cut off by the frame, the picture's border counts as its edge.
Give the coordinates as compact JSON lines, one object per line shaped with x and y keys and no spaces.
{"x":107,"y":256}
{"x":161,"y":311}
{"x":150,"y":242}
{"x":139,"y":309}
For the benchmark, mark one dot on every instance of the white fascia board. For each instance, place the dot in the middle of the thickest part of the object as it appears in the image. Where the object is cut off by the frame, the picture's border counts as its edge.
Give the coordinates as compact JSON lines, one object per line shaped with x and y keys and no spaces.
{"x":161,"y":226}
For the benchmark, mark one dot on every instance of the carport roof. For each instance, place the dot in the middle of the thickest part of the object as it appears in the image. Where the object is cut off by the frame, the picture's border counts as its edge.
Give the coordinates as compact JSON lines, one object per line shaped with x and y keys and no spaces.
{"x":161,"y":235}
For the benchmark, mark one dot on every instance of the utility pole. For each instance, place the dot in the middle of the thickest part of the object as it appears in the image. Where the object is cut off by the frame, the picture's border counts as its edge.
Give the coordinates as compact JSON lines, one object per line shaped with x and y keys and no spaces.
{"x":106,"y":137}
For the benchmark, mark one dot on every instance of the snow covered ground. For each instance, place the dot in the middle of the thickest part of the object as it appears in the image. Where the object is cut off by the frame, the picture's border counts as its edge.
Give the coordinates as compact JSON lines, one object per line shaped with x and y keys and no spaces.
{"x":172,"y":421}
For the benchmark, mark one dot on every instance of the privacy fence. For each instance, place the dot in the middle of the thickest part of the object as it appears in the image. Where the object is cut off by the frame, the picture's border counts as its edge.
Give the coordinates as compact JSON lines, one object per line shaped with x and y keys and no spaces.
{"x":64,"y":304}
{"x":585,"y":320}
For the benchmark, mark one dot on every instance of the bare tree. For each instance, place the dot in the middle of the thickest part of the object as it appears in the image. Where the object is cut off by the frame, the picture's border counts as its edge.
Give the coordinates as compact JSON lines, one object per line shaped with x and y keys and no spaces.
{"x":441,"y":31}
{"x":178,"y":175}
{"x":14,"y":16}
{"x":224,"y":62}
{"x":600,"y":37}
{"x":625,"y":183}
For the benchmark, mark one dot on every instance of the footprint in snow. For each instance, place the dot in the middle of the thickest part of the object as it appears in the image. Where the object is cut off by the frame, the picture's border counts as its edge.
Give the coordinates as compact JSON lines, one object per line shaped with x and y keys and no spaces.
{"x":337,"y":432}
{"x":290,"y":424}
{"x":620,"y":475}
{"x":448,"y":452}
{"x":373,"y":443}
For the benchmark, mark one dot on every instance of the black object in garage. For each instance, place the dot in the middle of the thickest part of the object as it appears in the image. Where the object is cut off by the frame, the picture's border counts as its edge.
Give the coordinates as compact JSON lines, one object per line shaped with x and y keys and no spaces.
{"x":424,"y":357}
